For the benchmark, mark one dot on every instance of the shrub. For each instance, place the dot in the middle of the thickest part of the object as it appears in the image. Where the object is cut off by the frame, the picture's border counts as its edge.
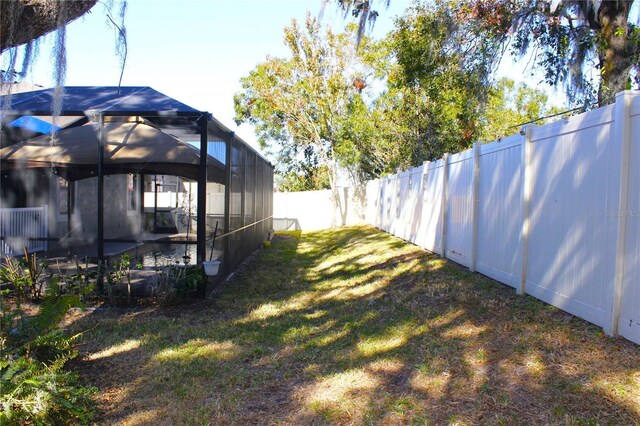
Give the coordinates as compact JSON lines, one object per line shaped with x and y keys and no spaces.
{"x":175,"y":283}
{"x":26,"y":275}
{"x":34,"y":387}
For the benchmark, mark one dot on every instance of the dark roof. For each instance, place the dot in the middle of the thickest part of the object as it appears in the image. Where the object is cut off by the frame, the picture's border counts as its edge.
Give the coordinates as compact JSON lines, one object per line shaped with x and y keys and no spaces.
{"x":133,"y":100}
{"x":157,"y":108}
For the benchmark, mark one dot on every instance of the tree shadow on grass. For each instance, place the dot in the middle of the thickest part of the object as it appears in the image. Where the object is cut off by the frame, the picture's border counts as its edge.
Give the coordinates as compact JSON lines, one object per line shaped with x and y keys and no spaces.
{"x":302,"y":336}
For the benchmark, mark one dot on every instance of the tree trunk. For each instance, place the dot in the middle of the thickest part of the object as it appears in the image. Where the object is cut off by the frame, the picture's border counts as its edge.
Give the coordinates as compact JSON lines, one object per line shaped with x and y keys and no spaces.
{"x":615,"y":54}
{"x":335,"y":195}
{"x":22,"y":21}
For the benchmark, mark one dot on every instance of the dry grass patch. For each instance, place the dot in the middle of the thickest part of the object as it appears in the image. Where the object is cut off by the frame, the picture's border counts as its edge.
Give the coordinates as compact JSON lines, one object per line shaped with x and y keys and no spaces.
{"x":354,"y":326}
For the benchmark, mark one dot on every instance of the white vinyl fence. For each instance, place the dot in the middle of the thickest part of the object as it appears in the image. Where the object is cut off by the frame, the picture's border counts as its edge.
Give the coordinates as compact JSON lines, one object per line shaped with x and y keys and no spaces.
{"x":23,"y":227}
{"x":553,"y":212}
{"x":312,"y":210}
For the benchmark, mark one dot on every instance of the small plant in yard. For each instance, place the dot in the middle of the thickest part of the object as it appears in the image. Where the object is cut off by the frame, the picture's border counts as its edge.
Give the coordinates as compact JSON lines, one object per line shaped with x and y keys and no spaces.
{"x":118,"y":278}
{"x":175,"y":283}
{"x":25,"y":275}
{"x":34,"y":386}
{"x":81,"y":283}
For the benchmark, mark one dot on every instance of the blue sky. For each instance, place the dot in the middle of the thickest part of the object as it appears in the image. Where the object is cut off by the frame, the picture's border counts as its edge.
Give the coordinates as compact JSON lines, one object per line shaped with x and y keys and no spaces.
{"x":193,"y":50}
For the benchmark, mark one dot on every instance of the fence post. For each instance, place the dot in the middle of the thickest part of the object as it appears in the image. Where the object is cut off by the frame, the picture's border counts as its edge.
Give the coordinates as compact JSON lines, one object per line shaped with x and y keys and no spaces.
{"x":425,"y":168}
{"x":423,"y":192}
{"x":445,"y":203}
{"x":526,"y":198}
{"x":380,"y":206}
{"x":476,"y":201}
{"x":622,"y":136}
{"x":398,"y":198}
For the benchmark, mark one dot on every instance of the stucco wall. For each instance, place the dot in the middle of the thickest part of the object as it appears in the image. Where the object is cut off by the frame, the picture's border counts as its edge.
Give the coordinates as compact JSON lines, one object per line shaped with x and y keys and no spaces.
{"x":118,"y":222}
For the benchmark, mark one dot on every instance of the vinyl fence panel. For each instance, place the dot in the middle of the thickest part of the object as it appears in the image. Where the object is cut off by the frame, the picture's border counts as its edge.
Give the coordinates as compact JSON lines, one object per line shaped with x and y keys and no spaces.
{"x":431,"y":225}
{"x":395,"y":223}
{"x":553,"y":212}
{"x":500,"y":210}
{"x":460,"y":208}
{"x":404,"y":206}
{"x":629,"y":322}
{"x":372,"y":196}
{"x":309,"y":210}
{"x":414,"y":210}
{"x":571,"y":262}
{"x":389,"y":205}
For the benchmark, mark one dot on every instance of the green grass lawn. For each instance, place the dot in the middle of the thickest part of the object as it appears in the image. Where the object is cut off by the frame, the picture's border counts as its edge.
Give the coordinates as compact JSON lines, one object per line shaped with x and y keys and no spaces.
{"x":354,"y":326}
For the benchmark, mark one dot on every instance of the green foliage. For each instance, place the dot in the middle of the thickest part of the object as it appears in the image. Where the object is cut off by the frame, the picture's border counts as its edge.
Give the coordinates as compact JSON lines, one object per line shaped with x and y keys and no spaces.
{"x":175,"y":283}
{"x":391,"y":105}
{"x":422,"y":92}
{"x":34,"y":393}
{"x":26,"y":275}
{"x":298,"y":105}
{"x":304,"y":177}
{"x":80,"y":283}
{"x":118,"y":278}
{"x":509,"y":106}
{"x":34,"y":387}
{"x":591,"y":47}
{"x":436,"y":87}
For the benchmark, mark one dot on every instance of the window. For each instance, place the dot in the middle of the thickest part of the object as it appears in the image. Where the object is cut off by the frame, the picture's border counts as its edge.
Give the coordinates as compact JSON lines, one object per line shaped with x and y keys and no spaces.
{"x":63,"y":196}
{"x":132,"y":193}
{"x":65,"y":199}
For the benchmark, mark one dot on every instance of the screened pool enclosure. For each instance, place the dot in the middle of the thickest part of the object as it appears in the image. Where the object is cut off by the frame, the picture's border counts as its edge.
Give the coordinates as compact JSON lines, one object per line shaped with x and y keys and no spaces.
{"x":128,"y":170}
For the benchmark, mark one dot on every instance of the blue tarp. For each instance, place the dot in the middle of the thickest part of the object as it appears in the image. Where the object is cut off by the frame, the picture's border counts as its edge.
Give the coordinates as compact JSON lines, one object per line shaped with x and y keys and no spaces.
{"x":34,"y":124}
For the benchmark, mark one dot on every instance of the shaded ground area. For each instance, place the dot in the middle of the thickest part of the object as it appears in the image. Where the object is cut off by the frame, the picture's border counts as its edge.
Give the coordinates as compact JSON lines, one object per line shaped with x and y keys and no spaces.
{"x":355,"y":326}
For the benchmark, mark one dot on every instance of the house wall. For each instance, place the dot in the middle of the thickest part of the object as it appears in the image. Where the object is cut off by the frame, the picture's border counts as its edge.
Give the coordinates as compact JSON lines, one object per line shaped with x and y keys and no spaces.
{"x":118,"y":222}
{"x":24,"y":188}
{"x":178,"y":198}
{"x":37,"y":188}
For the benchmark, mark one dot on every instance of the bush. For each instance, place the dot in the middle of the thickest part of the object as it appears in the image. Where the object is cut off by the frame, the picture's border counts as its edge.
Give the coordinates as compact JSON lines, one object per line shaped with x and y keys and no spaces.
{"x":42,"y":393}
{"x":34,"y":387}
{"x":26,"y":275}
{"x":175,"y":283}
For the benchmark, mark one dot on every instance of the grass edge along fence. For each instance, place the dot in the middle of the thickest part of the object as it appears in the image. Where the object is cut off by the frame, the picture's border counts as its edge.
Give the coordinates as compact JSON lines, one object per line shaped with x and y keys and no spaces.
{"x":553,"y":212}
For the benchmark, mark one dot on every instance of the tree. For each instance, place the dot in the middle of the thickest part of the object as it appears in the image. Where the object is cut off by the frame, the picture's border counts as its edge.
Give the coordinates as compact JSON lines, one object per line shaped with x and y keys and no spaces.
{"x":437,"y":83}
{"x":303,"y":177}
{"x":22,"y":21}
{"x":362,"y":10}
{"x":569,"y":38}
{"x":439,"y":94}
{"x":298,"y":105}
{"x":509,"y":106}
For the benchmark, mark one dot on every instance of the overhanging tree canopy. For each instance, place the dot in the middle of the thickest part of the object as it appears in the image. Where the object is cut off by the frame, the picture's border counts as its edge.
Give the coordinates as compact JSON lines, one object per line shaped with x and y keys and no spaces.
{"x":569,"y":40}
{"x":22,"y":21}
